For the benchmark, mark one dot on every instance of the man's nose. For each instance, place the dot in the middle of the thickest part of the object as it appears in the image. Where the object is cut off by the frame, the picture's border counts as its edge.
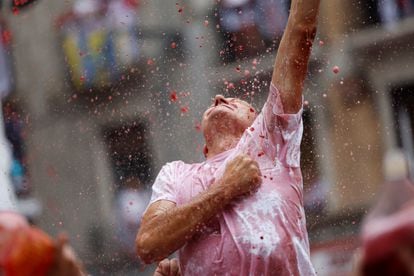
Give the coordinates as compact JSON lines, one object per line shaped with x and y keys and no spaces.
{"x":219,"y":99}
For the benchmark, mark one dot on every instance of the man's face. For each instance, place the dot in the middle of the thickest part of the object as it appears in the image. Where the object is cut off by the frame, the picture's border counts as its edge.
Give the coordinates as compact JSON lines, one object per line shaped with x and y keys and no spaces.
{"x":226,"y":111}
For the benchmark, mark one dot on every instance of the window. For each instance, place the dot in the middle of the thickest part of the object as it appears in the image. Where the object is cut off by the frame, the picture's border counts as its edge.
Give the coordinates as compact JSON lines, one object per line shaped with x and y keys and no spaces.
{"x":386,"y":12}
{"x":129,"y":153}
{"x":100,"y":42}
{"x":391,"y":11}
{"x":248,"y":28}
{"x":132,"y":168}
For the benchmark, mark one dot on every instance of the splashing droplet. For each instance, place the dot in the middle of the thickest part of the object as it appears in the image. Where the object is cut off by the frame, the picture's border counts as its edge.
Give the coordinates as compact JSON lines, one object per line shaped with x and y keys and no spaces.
{"x":184,"y":109}
{"x":173,"y":96}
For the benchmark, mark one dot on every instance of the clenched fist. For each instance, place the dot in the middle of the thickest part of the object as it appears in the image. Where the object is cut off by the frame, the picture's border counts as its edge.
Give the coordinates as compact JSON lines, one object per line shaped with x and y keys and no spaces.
{"x":242,"y":176}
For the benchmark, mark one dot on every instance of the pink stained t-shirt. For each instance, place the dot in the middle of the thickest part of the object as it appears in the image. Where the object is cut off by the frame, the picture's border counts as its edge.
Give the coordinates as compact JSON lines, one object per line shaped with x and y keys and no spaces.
{"x":263,"y":234}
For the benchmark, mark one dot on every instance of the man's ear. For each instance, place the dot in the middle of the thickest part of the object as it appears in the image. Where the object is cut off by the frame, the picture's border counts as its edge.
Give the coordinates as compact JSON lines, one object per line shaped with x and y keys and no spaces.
{"x":205,"y":151}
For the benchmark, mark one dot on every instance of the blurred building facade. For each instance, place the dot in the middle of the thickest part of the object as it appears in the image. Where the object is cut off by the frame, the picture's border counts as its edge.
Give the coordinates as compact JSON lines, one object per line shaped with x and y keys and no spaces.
{"x":91,"y":129}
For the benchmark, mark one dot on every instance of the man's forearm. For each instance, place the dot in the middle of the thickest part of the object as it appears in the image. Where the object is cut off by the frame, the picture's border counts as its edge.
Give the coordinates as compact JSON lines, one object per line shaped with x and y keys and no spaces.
{"x":304,"y":12}
{"x":294,"y":51}
{"x":170,"y":229}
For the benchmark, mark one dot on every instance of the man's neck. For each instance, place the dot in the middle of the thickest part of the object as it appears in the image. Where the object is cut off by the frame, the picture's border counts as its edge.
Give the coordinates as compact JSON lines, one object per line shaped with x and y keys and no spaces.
{"x":221,"y":143}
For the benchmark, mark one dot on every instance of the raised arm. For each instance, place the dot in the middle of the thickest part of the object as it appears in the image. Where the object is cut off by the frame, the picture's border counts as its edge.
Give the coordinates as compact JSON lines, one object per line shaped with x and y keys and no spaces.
{"x":166,"y":227}
{"x":294,"y":51}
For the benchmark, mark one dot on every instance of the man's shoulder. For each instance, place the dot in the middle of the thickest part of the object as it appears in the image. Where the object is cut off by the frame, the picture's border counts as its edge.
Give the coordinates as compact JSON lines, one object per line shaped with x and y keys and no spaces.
{"x":180,"y":165}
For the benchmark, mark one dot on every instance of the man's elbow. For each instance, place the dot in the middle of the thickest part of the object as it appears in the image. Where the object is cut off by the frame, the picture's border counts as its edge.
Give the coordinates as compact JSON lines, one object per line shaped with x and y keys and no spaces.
{"x":147,"y":249}
{"x":144,"y":248}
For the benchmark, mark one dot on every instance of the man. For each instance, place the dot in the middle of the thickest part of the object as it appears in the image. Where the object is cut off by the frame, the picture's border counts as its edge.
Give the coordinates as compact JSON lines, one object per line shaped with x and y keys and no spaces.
{"x":26,"y":250}
{"x":240,"y":212}
{"x":7,"y":196}
{"x":387,"y":244}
